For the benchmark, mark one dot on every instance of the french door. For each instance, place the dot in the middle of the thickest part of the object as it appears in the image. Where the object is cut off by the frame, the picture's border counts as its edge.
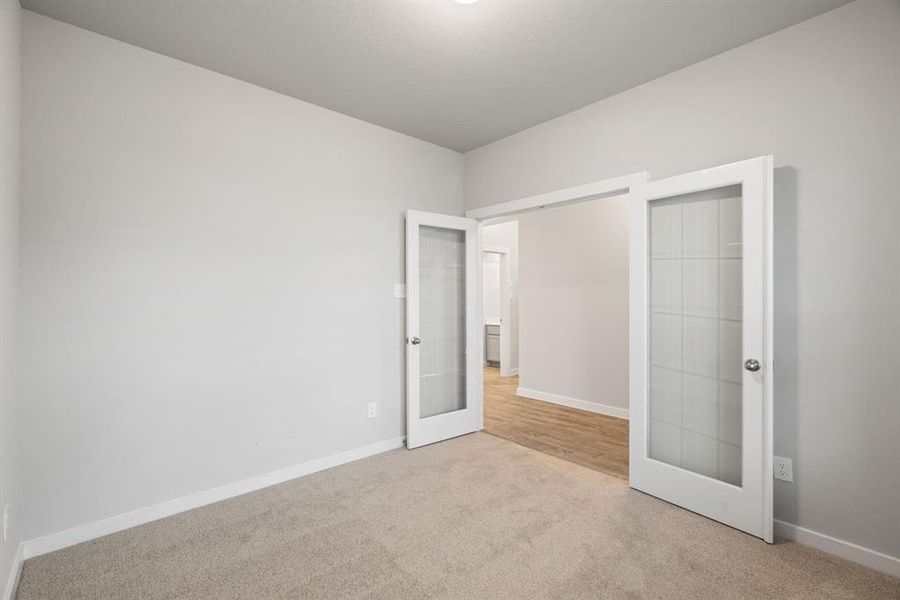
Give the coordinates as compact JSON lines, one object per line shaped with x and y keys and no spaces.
{"x":443,"y":334}
{"x":701,"y":342}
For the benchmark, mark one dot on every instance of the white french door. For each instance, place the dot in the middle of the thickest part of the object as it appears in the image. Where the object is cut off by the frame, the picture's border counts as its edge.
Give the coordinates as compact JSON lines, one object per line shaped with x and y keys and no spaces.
{"x":443,"y":374}
{"x":701,"y":342}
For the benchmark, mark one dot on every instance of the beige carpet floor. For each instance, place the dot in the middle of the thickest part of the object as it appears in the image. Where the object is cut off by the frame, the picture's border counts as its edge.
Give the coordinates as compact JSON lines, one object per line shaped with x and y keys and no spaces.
{"x":473,"y":517}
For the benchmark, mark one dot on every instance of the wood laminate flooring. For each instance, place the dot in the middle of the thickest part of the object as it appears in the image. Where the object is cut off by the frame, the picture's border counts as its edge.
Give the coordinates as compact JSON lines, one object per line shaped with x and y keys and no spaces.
{"x":589,"y":439}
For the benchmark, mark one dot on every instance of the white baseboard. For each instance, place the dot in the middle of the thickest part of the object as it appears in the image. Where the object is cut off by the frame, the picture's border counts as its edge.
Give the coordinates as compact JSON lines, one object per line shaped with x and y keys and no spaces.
{"x":514,"y":371}
{"x":12,"y":580}
{"x":841,"y":548}
{"x":83,"y":533}
{"x":595,"y":407}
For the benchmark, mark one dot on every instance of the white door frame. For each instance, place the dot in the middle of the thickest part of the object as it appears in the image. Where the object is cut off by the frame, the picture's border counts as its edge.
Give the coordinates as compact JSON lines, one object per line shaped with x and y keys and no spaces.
{"x":505,"y":307}
{"x":603,"y":188}
{"x":595,"y":190}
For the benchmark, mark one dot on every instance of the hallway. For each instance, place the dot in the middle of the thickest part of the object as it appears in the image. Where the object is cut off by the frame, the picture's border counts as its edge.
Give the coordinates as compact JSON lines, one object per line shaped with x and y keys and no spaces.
{"x":588,"y":439}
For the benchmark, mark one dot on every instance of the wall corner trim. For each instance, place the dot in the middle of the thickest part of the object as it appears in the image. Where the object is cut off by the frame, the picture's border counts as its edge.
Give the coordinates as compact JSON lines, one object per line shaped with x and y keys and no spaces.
{"x":90,"y":531}
{"x":12,"y":579}
{"x":594,"y":407}
{"x":866,"y":557}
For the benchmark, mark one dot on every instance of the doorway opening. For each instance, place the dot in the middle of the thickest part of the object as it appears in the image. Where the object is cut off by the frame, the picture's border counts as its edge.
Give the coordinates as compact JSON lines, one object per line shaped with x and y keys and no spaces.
{"x":560,"y":302}
{"x":699,"y":306}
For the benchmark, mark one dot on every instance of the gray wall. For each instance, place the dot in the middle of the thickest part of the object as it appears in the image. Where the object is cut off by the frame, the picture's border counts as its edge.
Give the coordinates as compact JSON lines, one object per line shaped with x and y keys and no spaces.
{"x":10,"y":17}
{"x":573,"y":301}
{"x":823,"y":96}
{"x":207,"y":277}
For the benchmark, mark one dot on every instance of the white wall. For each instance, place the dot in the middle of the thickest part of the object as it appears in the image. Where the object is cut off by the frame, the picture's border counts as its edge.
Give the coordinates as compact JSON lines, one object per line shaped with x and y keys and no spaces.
{"x":506,"y":235}
{"x":490,"y":288}
{"x":10,"y":68}
{"x":573,"y":303}
{"x":207,"y":277}
{"x":823,"y":96}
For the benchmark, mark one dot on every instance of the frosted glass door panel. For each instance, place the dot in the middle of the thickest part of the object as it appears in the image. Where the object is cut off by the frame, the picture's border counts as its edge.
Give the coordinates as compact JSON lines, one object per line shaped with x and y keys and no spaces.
{"x":701,"y":342}
{"x":695,"y":318}
{"x":442,"y":320}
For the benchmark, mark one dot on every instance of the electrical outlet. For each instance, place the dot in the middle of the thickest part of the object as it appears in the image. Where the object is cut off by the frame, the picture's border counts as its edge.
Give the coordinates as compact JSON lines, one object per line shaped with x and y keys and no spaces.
{"x":373,"y":410}
{"x":5,"y":521}
{"x":784,"y":469}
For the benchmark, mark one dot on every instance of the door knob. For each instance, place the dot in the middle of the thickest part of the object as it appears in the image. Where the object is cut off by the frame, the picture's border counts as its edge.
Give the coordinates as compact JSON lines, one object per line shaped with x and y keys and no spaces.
{"x":752,"y":365}
{"x":415,"y":341}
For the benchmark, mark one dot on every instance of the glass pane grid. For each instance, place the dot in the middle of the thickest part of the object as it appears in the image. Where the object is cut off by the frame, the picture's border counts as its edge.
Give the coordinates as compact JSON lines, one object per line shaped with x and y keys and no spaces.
{"x":442,"y":321}
{"x":695,"y":333}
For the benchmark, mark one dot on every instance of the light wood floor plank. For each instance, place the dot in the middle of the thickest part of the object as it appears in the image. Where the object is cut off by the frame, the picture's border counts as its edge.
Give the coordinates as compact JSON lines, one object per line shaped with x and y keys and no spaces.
{"x":589,"y":439}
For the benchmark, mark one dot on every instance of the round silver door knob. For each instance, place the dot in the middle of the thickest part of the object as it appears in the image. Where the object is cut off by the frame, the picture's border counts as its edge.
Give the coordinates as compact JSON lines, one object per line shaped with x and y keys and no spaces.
{"x":415,"y":341}
{"x":751,"y":364}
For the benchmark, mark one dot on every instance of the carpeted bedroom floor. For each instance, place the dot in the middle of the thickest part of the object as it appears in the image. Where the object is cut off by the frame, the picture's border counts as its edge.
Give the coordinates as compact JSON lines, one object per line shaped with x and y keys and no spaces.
{"x":473,"y":517}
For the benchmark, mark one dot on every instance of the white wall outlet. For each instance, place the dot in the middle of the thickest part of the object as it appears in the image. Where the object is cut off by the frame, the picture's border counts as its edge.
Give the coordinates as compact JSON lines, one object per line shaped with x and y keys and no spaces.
{"x":373,"y":410}
{"x":399,"y":290}
{"x":5,"y":521}
{"x":784,"y":469}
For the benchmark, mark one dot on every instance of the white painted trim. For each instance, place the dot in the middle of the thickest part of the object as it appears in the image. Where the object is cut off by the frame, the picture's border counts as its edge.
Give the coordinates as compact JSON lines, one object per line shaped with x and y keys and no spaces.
{"x":769,"y":349}
{"x":479,"y":317}
{"x":514,"y":371}
{"x":15,"y":570}
{"x":866,"y":557}
{"x":594,"y":407}
{"x":588,"y":191}
{"x":83,"y":533}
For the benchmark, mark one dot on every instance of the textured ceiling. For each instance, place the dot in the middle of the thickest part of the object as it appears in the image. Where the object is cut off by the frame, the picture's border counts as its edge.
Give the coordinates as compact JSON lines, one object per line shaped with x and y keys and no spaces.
{"x":457,"y":75}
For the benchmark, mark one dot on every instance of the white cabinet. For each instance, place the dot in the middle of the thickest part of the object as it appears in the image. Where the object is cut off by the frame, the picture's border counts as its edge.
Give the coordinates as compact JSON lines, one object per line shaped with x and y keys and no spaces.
{"x":492,"y":343}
